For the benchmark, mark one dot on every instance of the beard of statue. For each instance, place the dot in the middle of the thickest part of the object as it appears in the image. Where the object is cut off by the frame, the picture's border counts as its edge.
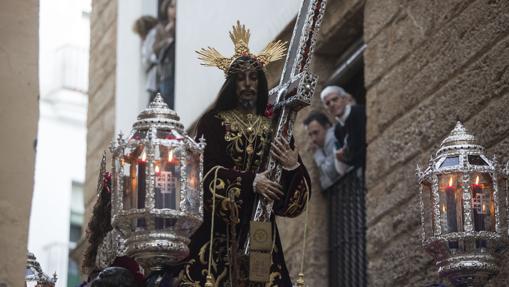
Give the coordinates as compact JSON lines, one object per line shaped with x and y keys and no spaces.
{"x":247,"y":105}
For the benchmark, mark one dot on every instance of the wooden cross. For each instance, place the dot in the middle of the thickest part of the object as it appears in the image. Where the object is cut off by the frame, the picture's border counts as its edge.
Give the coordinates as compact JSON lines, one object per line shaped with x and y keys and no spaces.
{"x":295,"y":88}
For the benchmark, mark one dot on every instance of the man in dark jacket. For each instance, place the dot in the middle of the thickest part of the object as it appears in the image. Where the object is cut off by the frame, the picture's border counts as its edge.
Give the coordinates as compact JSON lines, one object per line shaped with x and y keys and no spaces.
{"x":350,"y":129}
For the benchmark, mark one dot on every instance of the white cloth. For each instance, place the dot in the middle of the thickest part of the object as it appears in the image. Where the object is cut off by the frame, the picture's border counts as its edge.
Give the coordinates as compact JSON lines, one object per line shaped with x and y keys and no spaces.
{"x":324,"y":158}
{"x":149,"y":60}
{"x":341,"y":120}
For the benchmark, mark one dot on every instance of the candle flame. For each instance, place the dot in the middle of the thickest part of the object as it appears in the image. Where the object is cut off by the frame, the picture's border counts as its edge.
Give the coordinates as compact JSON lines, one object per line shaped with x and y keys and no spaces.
{"x":170,"y":156}
{"x":450,"y":181}
{"x":443,"y":208}
{"x":157,"y":168}
{"x":143,"y":156}
{"x":483,"y":208}
{"x":477,"y":180}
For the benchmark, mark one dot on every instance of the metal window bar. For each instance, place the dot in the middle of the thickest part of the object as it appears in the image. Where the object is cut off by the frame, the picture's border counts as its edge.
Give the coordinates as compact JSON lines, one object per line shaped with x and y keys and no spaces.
{"x":347,"y":231}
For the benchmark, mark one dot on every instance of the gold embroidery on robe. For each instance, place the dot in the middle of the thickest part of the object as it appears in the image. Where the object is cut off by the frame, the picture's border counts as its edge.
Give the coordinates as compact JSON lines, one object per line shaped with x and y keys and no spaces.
{"x":247,"y":137}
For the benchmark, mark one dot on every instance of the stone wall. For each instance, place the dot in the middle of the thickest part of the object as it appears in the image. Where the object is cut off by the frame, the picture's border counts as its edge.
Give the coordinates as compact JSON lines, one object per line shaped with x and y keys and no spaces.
{"x":101,"y":99}
{"x":19,"y":113}
{"x":427,"y":63}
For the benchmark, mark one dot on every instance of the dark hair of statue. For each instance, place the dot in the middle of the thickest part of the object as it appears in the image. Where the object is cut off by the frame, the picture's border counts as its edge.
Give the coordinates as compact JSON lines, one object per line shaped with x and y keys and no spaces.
{"x":98,"y":227}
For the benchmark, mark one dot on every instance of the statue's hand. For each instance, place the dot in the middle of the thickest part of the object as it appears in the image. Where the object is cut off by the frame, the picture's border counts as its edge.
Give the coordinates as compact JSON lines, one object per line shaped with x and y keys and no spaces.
{"x":287,"y":157}
{"x":266,"y":187}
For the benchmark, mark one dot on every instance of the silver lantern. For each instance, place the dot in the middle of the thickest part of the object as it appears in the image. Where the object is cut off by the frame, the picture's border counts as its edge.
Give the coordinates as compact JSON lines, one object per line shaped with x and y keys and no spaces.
{"x":464,"y":210}
{"x":34,"y":277}
{"x":157,"y":198}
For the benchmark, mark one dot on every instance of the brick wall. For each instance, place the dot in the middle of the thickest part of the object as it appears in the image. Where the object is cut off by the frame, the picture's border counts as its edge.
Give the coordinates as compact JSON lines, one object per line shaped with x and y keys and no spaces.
{"x":101,"y":100}
{"x":427,"y":63}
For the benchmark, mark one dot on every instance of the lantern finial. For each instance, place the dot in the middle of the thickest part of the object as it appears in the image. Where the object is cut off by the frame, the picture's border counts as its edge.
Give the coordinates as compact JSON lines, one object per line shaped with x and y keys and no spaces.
{"x":459,"y":138}
{"x":158,"y":113}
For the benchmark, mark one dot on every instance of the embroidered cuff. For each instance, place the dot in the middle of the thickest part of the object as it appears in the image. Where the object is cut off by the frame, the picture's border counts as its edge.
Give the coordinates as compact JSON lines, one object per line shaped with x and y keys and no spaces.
{"x":293,"y":167}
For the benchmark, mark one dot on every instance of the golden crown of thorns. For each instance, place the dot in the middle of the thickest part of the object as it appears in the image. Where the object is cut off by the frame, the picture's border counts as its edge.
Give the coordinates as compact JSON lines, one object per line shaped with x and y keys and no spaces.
{"x":240,"y":37}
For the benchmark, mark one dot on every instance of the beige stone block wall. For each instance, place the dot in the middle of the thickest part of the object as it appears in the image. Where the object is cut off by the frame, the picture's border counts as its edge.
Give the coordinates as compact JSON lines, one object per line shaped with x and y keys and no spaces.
{"x":19,"y":114}
{"x":427,"y":63}
{"x":101,"y":99}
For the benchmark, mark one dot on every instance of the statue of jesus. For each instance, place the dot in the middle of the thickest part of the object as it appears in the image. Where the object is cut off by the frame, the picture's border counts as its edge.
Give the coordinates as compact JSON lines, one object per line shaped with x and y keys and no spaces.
{"x":238,"y":136}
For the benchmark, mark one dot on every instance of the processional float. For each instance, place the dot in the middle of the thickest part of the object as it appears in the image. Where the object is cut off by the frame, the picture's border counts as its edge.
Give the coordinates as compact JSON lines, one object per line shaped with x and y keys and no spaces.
{"x":157,"y":197}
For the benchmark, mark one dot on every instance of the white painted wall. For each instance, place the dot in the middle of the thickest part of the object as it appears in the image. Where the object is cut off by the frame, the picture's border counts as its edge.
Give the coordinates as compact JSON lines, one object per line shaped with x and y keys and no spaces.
{"x":60,"y":160}
{"x":61,"y":139}
{"x":202,"y":23}
{"x":131,"y":96}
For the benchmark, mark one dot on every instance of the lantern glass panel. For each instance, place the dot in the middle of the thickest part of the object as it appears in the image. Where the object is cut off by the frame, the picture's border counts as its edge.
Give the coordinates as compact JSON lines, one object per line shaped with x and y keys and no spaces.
{"x":450,"y":161}
{"x":134,"y":177}
{"x":451,"y":203}
{"x":427,"y":200}
{"x":138,"y":135}
{"x":483,"y":204}
{"x":192,"y":182}
{"x":476,"y":160}
{"x":167,"y":178}
{"x":165,"y":134}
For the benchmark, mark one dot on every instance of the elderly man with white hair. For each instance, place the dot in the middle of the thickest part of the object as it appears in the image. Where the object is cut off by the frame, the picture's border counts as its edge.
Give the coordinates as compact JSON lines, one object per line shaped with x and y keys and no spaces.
{"x":350,"y":130}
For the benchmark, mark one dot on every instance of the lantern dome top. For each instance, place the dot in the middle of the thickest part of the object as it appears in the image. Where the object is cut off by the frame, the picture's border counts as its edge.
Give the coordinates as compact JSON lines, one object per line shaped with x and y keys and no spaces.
{"x":159,"y":114}
{"x":459,"y":138}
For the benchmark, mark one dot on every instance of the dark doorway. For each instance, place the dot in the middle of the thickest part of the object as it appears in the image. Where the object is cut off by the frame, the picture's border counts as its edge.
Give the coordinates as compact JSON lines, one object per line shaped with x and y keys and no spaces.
{"x":346,"y":198}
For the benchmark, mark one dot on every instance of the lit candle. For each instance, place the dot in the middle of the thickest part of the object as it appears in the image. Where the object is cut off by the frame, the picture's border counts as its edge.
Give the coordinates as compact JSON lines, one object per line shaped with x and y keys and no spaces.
{"x":479,"y":208}
{"x":142,"y":163}
{"x":170,"y":156}
{"x":450,"y":198}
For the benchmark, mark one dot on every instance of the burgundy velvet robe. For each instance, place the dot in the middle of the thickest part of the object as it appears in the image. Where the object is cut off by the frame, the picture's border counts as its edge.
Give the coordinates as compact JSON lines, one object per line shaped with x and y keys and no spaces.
{"x":233,"y":156}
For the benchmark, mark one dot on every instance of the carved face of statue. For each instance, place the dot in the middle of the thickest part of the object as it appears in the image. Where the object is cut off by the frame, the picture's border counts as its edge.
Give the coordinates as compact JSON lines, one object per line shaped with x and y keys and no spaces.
{"x":335,"y":104}
{"x":247,"y":89}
